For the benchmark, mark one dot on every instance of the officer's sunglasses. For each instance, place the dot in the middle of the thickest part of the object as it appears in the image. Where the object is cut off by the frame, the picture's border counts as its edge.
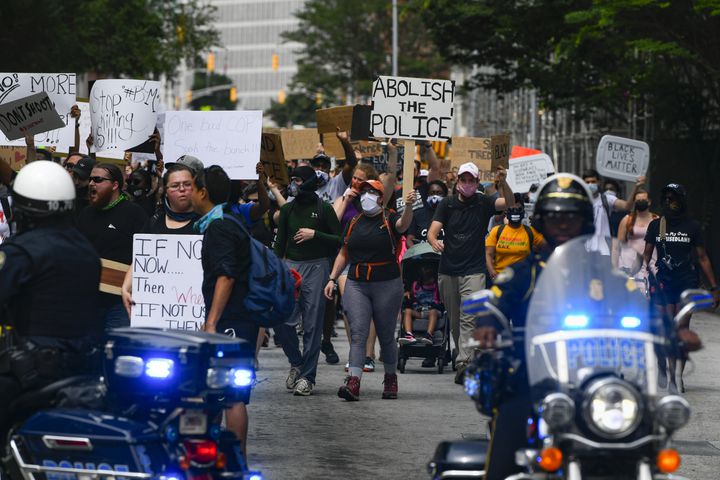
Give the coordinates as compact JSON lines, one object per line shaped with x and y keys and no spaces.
{"x":100,"y":179}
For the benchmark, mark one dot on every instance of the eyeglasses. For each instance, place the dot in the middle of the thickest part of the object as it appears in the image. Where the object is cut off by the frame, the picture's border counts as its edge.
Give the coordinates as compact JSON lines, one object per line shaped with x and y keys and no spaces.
{"x":100,"y":179}
{"x":178,"y":186}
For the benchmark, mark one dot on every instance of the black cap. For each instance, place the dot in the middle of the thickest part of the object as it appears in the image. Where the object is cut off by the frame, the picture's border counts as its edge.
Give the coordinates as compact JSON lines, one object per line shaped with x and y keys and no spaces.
{"x":83,"y":167}
{"x":321,"y":160}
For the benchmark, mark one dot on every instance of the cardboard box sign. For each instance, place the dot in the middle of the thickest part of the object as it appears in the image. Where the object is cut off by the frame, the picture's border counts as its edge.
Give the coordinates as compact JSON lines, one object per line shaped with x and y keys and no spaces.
{"x":299,"y":144}
{"x":271,"y":156}
{"x":14,"y":156}
{"x":354,"y":119}
{"x":486,"y":153}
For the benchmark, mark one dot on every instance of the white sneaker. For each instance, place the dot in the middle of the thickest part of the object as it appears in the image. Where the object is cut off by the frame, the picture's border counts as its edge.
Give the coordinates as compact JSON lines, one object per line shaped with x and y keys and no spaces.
{"x":292,"y":378}
{"x":303,"y":387}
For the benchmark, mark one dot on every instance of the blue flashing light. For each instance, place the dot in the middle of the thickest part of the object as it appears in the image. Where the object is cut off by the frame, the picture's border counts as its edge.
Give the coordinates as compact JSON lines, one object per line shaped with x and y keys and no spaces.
{"x":220,"y":354}
{"x":576,"y":321}
{"x":161,"y":368}
{"x":171,"y":434}
{"x":242,"y":377}
{"x":630,"y":322}
{"x":255,"y":476}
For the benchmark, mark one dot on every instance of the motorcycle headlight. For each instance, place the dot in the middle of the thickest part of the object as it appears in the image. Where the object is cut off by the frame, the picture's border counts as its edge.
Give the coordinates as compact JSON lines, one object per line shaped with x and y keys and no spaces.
{"x":218,"y":378}
{"x":557,"y":410}
{"x":673,"y":412}
{"x":612,"y":408}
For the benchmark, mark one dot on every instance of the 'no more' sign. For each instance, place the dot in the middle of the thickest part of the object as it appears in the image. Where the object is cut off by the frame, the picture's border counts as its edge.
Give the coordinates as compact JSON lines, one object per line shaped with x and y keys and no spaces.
{"x":622,"y":158}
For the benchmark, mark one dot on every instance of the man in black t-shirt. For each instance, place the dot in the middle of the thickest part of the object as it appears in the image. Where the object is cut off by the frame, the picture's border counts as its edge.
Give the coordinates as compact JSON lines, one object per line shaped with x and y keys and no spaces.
{"x":422,"y":217}
{"x":464,"y":218}
{"x":109,"y":222}
{"x":676,"y":237}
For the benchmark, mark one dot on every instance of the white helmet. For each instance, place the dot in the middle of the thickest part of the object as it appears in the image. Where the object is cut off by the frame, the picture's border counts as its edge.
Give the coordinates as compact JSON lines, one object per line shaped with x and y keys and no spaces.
{"x":43,"y":188}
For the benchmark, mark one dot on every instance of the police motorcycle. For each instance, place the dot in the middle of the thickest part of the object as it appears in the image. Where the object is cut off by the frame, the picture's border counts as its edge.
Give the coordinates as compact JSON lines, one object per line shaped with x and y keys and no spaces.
{"x":592,"y":345}
{"x":156,"y":413}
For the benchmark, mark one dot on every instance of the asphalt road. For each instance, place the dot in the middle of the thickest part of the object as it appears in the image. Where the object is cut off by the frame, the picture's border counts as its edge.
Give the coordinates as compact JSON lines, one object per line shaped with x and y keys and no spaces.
{"x":324,"y":437}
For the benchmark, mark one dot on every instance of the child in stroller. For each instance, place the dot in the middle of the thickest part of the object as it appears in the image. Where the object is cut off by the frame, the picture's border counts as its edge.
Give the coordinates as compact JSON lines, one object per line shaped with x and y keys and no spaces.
{"x":422,"y":302}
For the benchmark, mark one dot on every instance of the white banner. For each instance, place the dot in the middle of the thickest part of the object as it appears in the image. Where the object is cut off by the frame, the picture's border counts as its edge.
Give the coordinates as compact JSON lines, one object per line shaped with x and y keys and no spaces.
{"x":167,"y":282}
{"x":230,"y":139}
{"x":622,"y":158}
{"x":525,"y":171}
{"x":34,"y":114}
{"x":60,"y":87}
{"x":123,"y":113}
{"x":412,"y":108}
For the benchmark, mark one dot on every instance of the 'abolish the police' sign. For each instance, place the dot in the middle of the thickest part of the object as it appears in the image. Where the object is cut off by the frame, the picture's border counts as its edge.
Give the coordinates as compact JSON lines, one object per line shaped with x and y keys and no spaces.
{"x":412,"y":108}
{"x":622,"y":158}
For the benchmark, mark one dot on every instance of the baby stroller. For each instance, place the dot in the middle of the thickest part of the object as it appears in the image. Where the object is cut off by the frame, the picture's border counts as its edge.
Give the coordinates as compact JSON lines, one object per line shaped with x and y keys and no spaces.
{"x":418,"y":259}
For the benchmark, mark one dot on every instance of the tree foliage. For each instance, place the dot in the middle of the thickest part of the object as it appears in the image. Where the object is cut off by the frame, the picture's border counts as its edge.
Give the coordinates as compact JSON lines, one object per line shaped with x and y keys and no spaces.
{"x":217,"y":100}
{"x":345,"y":45}
{"x":140,"y":38}
{"x":593,"y":55}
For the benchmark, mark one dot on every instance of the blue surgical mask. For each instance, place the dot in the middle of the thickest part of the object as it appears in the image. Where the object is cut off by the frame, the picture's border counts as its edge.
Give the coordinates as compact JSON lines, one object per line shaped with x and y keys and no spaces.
{"x":593,"y":188}
{"x":434,"y":200}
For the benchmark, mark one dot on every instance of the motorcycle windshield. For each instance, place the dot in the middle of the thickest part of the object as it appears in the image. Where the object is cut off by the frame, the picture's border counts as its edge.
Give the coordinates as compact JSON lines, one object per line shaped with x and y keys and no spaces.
{"x":586,"y":318}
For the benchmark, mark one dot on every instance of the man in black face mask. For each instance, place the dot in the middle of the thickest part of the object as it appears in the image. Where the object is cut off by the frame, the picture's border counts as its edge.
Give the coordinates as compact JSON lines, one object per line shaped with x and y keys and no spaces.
{"x":307,"y":229}
{"x":675,"y":236}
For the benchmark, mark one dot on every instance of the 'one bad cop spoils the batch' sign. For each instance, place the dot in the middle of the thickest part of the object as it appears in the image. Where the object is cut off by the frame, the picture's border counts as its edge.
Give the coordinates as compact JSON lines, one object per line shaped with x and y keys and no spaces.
{"x":167,"y":282}
{"x":412,"y":108}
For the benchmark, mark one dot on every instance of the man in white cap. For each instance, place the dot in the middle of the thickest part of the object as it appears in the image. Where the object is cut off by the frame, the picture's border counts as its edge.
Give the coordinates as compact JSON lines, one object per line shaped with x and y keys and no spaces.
{"x":464,"y":219}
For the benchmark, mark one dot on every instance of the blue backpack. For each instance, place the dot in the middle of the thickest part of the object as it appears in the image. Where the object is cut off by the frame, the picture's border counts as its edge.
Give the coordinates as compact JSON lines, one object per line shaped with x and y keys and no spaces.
{"x":271,"y":287}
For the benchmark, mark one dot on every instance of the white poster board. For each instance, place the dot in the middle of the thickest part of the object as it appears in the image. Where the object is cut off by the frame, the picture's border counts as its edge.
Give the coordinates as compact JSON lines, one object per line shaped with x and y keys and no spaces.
{"x":34,"y":114}
{"x":412,"y":108}
{"x":622,"y":158}
{"x":525,"y":171}
{"x":230,"y":139}
{"x":167,"y":282}
{"x":61,"y":89}
{"x":123,"y":113}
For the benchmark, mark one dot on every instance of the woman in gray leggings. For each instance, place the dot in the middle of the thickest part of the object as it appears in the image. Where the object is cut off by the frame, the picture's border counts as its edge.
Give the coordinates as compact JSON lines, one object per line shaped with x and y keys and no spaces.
{"x":374,"y":290}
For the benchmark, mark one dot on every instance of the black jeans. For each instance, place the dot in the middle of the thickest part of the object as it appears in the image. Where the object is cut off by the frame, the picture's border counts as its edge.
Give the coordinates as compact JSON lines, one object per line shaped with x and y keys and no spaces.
{"x":9,"y":390}
{"x":509,"y":434}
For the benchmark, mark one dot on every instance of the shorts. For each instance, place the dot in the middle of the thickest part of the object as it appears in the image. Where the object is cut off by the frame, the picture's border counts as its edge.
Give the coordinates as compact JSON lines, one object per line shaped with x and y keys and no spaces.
{"x":669,"y":290}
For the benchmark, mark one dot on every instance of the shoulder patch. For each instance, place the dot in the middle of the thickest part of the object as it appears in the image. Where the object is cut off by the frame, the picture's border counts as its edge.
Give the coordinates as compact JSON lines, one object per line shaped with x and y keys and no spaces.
{"x":504,"y":276}
{"x":2,"y":260}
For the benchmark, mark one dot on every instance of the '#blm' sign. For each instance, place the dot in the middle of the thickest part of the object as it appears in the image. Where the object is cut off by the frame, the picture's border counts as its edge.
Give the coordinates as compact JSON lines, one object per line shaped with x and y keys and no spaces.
{"x":167,"y":282}
{"x":412,"y":108}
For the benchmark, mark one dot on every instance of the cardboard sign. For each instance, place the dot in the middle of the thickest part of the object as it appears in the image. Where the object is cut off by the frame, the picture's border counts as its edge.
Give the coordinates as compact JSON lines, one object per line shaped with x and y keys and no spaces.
{"x":622,"y":158}
{"x":299,"y":144}
{"x":61,"y":89}
{"x":412,"y":108}
{"x":376,"y":154}
{"x":230,"y":139}
{"x":123,"y":113}
{"x":486,"y":153}
{"x":525,"y":171}
{"x":272,"y":156}
{"x":34,"y":114}
{"x":353,"y":119}
{"x":167,"y":282}
{"x":13,"y":156}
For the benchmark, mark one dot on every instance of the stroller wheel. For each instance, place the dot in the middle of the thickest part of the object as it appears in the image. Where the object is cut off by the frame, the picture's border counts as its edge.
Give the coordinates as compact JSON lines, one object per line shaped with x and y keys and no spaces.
{"x":401,"y":365}
{"x":441,"y":365}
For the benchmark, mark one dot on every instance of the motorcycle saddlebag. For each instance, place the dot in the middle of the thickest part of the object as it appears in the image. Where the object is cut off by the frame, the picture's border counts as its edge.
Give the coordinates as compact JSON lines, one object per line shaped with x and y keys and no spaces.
{"x":459,"y":459}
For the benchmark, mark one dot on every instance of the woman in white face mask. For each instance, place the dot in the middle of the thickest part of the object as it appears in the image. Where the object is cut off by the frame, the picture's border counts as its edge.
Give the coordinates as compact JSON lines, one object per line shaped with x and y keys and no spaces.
{"x":374,"y":290}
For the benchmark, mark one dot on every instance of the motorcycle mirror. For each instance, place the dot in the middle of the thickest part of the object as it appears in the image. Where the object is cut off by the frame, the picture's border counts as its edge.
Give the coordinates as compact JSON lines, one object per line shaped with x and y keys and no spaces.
{"x":694,"y":300}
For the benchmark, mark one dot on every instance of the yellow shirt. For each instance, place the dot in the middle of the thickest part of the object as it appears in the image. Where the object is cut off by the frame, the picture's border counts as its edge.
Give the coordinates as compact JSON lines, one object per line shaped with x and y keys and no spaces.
{"x":512,"y":246}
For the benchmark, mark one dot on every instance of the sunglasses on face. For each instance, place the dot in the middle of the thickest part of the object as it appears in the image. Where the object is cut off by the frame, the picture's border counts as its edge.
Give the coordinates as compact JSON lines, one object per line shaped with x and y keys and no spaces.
{"x":69,"y":166}
{"x":100,"y":179}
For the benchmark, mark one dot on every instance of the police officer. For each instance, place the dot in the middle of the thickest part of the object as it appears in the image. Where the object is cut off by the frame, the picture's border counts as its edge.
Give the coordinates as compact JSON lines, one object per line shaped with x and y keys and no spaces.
{"x":49,"y":280}
{"x":563,"y":211}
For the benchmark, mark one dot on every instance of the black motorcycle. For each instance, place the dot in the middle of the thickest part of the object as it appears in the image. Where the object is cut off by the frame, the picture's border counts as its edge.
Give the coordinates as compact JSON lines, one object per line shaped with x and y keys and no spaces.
{"x":593,"y":345}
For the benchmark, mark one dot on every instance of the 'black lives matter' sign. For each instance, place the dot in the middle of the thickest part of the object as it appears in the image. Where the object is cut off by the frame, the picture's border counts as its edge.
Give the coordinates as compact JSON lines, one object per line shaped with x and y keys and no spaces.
{"x":412,"y":108}
{"x":622,"y":158}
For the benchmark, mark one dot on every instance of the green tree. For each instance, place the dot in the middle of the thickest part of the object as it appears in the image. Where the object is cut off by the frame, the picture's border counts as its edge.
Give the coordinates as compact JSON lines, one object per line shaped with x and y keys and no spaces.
{"x":345,"y":46}
{"x":217,"y":100}
{"x":140,"y":38}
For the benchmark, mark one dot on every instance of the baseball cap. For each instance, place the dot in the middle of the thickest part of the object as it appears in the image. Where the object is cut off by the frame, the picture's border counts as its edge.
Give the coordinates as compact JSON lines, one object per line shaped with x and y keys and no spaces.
{"x":83,"y":167}
{"x":189,"y":161}
{"x":321,"y":159}
{"x":374,"y":184}
{"x":424,"y":173}
{"x":470,"y":168}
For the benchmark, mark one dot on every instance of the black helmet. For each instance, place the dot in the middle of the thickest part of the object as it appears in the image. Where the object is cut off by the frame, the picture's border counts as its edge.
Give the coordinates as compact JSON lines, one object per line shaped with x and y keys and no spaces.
{"x":564,"y":193}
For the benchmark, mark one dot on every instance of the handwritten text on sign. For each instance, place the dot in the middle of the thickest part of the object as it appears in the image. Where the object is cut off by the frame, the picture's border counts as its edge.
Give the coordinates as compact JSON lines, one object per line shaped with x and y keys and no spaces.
{"x":528,"y":170}
{"x":123,"y":113}
{"x":60,"y":87}
{"x":167,"y":282}
{"x":412,"y":108}
{"x":29,"y":115}
{"x":229,"y":139}
{"x":622,"y":158}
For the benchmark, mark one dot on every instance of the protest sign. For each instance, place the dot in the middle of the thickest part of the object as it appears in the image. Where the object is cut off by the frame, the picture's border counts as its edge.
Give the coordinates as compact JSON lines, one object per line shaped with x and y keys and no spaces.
{"x":299,"y":144}
{"x":123,"y":113}
{"x":486,"y":153}
{"x":14,"y":156}
{"x":230,"y":139}
{"x":525,"y":171}
{"x":622,"y":158}
{"x":518,"y":151}
{"x":167,"y":282}
{"x":272,"y":157}
{"x":376,"y":154}
{"x":412,"y":108}
{"x":60,"y":87}
{"x":112,"y":156}
{"x":30,"y":115}
{"x":353,"y":119}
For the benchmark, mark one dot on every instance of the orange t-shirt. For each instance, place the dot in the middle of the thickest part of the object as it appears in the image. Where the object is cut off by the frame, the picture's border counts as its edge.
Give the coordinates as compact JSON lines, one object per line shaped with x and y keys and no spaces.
{"x":512,"y":246}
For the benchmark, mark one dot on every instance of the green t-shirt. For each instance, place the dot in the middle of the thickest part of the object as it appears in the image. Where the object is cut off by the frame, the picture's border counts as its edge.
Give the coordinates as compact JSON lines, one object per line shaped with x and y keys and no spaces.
{"x":296,"y":215}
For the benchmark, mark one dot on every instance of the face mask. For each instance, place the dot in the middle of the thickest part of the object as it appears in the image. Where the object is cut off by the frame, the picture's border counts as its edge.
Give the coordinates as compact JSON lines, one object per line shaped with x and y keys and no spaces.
{"x":434,"y":200}
{"x":322,"y":178}
{"x":293,"y":189}
{"x":593,"y":188}
{"x":642,"y":205}
{"x":467,"y":190}
{"x":369,"y":204}
{"x":515,"y":218}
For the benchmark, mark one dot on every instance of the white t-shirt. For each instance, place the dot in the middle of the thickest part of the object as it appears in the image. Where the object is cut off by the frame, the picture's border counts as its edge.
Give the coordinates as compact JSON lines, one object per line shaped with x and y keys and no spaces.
{"x":4,"y":224}
{"x":335,"y":188}
{"x":601,"y":240}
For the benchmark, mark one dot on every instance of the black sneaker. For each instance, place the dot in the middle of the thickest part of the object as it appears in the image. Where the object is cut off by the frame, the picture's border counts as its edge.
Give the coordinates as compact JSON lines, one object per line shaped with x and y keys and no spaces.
{"x":331,"y":356}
